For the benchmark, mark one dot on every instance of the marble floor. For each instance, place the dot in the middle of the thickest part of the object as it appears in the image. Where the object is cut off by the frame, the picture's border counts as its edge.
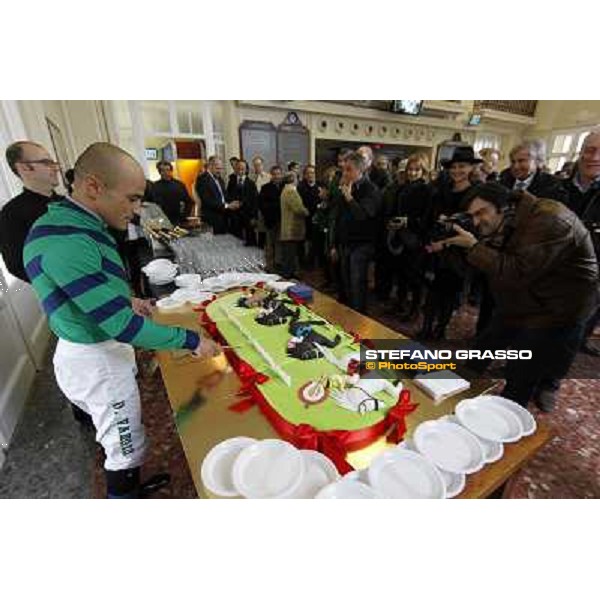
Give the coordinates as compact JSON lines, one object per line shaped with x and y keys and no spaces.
{"x":50,"y":455}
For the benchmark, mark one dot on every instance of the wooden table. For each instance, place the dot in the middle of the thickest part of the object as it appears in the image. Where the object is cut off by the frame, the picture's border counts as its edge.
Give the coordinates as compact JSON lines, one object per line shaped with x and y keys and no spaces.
{"x":203,"y":424}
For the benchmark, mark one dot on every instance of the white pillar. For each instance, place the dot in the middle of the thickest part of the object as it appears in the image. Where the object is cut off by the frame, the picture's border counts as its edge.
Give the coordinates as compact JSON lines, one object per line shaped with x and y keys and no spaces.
{"x":209,"y":130}
{"x":137,"y":127}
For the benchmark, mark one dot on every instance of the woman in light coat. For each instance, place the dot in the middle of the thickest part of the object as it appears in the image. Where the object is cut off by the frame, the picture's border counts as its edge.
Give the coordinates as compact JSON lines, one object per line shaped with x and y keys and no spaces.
{"x":293,"y":226}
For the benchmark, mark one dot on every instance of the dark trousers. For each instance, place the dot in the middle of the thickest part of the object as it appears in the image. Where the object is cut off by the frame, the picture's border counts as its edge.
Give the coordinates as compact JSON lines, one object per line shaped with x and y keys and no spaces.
{"x":553,"y":350}
{"x":442,"y":299}
{"x":486,"y":305}
{"x":408,"y":270}
{"x":135,"y":251}
{"x":354,"y":266}
{"x":290,"y":255}
{"x":591,"y":324}
{"x":236,"y":224}
{"x":249,"y":231}
{"x":384,"y":271}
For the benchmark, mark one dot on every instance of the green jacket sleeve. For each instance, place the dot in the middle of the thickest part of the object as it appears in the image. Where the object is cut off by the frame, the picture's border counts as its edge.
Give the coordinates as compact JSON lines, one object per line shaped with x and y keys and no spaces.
{"x":76,"y":269}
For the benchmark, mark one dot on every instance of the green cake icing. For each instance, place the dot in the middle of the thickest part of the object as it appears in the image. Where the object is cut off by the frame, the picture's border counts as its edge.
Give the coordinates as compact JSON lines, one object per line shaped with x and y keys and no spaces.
{"x":283,"y":398}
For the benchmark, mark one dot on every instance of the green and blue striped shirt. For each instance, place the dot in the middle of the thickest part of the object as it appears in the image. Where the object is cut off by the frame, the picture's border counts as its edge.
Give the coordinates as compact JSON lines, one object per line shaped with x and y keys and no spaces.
{"x":77,"y":273}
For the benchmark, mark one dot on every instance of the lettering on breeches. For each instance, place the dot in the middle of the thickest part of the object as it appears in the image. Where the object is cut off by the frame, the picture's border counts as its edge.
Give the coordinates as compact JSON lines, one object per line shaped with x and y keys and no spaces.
{"x":124,"y":429}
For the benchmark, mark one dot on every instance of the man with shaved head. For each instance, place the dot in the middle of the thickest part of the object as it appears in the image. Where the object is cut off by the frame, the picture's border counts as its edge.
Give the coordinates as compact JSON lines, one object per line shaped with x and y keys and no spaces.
{"x":38,"y":171}
{"x":76,"y":271}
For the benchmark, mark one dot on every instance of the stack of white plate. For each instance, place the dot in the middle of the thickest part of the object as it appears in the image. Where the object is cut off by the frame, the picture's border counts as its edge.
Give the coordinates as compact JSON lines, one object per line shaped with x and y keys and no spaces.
{"x":243,"y":467}
{"x":454,"y":482}
{"x":279,"y":286}
{"x":226,"y":281}
{"x":169,"y":303}
{"x":178,"y":299}
{"x":191,"y":295}
{"x":492,"y":451}
{"x":434,"y":464}
{"x":401,"y":473}
{"x":348,"y":489}
{"x":188,"y":280}
{"x":160,"y":271}
{"x":449,"y":446}
{"x":495,"y":418}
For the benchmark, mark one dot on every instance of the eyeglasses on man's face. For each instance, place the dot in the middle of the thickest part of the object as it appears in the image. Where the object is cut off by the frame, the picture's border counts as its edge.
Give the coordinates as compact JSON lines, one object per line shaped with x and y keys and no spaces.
{"x":45,"y":162}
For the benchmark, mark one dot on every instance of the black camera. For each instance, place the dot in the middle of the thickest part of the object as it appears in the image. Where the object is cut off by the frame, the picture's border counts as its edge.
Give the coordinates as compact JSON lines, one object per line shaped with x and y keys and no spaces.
{"x":593,"y":227}
{"x":443,"y":230}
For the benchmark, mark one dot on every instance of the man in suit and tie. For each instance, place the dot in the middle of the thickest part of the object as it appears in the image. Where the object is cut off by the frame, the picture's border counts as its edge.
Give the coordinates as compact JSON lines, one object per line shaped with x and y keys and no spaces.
{"x":525,"y":173}
{"x":211,"y":191}
{"x":243,"y":190}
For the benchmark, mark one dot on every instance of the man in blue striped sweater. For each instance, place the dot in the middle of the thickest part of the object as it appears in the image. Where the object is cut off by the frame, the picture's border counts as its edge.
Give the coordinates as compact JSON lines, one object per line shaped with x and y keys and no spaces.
{"x":75,"y":269}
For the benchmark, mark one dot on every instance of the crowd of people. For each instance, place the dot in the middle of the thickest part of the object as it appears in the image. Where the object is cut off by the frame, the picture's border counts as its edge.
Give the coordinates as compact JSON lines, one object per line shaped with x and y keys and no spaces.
{"x":521,"y":244}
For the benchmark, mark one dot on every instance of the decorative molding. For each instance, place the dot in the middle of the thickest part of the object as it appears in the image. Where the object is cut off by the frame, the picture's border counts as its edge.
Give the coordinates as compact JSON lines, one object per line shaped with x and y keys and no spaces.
{"x":348,"y":112}
{"x":505,"y":117}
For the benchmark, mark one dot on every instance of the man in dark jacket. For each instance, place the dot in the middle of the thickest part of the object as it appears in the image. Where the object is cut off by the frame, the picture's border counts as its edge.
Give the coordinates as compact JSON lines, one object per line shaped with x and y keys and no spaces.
{"x":524,"y":174}
{"x":38,"y":171}
{"x":584,"y":200}
{"x":172,"y":195}
{"x":356,"y":228}
{"x":211,"y":192}
{"x":543,"y":273}
{"x":243,"y":190}
{"x":269,"y":205}
{"x":380,"y":172}
{"x":310,"y":192}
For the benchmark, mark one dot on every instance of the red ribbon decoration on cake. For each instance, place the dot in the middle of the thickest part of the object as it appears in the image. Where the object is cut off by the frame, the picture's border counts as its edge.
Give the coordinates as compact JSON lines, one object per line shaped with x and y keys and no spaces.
{"x":335,"y":444}
{"x":397,"y":417}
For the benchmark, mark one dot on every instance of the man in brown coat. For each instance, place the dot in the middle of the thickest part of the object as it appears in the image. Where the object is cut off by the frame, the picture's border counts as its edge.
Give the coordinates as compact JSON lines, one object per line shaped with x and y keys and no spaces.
{"x":543,"y":273}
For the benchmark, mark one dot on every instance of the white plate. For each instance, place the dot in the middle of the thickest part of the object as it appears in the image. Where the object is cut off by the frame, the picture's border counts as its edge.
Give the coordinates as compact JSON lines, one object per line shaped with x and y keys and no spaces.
{"x":319,"y":471}
{"x":454,"y":482}
{"x":217,"y":466}
{"x":279,"y":286}
{"x":401,"y":473}
{"x":192,"y":295}
{"x":492,"y":451}
{"x":188,"y":280}
{"x":159,"y":264}
{"x":212,"y":285}
{"x":161,"y":273}
{"x":449,"y":446}
{"x":361,"y":475}
{"x":527,"y":420}
{"x":161,"y":280}
{"x":489,"y":420}
{"x":170,"y":303}
{"x":268,"y":469}
{"x":266,"y":277}
{"x":347,"y":489}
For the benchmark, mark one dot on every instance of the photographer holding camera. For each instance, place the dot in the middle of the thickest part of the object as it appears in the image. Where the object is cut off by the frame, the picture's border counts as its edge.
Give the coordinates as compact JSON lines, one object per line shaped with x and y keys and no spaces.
{"x":543,"y":273}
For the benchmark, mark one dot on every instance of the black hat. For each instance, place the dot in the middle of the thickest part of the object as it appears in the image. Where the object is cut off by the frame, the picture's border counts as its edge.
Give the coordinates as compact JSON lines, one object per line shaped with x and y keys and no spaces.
{"x":462,"y":154}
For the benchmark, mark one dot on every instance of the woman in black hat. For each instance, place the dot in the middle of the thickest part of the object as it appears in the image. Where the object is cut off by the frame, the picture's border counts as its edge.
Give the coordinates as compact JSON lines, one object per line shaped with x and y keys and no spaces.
{"x":445,"y":280}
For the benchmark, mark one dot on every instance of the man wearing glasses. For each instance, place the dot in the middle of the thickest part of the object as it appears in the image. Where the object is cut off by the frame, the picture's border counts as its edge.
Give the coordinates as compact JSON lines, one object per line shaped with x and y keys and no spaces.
{"x":38,"y":171}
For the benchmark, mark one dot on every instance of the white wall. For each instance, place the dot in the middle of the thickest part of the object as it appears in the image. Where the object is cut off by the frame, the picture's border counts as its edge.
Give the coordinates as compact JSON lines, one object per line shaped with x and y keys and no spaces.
{"x":22,"y":323}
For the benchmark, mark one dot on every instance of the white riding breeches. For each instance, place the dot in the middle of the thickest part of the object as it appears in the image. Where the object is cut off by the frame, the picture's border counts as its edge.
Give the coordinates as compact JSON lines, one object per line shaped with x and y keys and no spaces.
{"x":100,"y":379}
